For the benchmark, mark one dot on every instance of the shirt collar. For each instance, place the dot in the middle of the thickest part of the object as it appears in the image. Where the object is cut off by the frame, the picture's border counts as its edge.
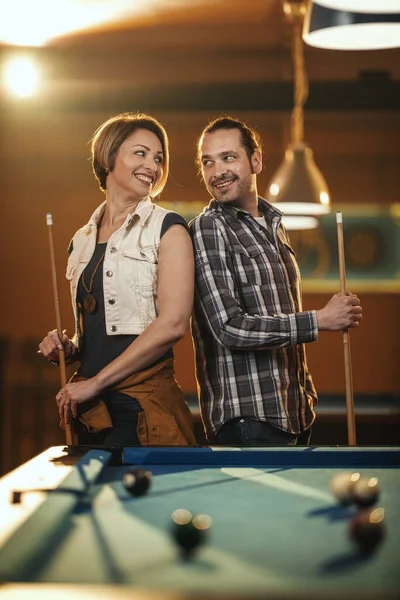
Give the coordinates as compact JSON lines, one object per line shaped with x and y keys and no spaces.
{"x":266,"y":209}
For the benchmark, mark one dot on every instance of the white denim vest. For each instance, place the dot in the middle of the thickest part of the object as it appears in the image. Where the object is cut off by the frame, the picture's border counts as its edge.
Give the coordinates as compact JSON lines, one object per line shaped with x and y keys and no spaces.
{"x":130,"y":268}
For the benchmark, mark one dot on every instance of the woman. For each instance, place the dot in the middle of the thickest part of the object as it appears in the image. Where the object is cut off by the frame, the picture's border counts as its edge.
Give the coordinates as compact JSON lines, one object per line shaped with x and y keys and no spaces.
{"x":131,"y":274}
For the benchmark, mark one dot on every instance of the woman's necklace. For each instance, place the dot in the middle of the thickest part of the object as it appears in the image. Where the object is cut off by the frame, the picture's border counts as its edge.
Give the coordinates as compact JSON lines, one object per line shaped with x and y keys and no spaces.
{"x":89,"y":302}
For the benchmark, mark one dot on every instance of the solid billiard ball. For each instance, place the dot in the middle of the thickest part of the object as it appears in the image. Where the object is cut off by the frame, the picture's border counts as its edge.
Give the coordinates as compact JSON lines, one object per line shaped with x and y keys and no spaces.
{"x":189,"y":532}
{"x":367,"y":529}
{"x":366,"y":491}
{"x":342,"y":485}
{"x":137,"y":481}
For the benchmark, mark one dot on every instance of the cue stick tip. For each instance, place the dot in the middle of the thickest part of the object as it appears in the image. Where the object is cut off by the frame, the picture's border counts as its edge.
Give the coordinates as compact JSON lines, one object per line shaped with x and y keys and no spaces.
{"x":49,"y":219}
{"x":339,"y":216}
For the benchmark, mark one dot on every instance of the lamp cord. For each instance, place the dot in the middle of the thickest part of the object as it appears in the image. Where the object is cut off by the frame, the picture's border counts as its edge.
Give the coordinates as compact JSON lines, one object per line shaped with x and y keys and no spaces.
{"x":300,"y":80}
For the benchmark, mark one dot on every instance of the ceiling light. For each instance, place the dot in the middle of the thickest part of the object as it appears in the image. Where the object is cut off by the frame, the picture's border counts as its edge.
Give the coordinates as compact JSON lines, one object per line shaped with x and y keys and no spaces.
{"x":352,"y":24}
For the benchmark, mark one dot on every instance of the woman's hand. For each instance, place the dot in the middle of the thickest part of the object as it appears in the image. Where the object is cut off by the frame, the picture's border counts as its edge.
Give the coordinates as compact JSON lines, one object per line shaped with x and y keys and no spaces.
{"x":73,"y":394}
{"x":51,"y":345}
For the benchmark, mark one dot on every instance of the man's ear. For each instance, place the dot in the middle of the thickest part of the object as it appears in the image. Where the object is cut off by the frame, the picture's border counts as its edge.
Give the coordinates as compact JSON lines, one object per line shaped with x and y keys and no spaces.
{"x":256,"y":162}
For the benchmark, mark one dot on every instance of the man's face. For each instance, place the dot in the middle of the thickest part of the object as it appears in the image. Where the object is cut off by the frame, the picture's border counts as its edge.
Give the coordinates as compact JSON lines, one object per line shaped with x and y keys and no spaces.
{"x":229,"y":175}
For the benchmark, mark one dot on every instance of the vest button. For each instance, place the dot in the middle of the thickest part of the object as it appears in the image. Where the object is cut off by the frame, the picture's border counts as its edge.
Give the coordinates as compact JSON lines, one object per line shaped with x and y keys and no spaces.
{"x":114,"y":328}
{"x":111,"y":301}
{"x":109,"y":273}
{"x":113,"y":249}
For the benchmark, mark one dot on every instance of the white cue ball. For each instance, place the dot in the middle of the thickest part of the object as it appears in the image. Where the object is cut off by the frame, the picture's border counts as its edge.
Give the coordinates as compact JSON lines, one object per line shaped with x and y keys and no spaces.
{"x":342,"y":486}
{"x":366,"y":491}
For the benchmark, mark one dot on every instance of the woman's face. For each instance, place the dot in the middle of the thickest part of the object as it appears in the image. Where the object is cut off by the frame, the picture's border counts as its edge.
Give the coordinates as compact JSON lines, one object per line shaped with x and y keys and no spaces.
{"x":138,"y":165}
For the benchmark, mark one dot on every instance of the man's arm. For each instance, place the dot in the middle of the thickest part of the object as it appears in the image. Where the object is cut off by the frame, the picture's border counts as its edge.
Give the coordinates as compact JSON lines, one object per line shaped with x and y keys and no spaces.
{"x":218,"y":298}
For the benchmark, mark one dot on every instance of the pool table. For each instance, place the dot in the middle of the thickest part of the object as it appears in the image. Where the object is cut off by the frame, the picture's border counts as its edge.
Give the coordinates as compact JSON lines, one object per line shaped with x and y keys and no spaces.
{"x":69,"y":529}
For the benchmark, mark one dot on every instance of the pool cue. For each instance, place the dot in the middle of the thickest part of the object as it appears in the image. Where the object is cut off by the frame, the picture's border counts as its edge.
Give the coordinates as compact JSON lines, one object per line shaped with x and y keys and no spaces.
{"x":351,"y":427}
{"x":63,"y":373}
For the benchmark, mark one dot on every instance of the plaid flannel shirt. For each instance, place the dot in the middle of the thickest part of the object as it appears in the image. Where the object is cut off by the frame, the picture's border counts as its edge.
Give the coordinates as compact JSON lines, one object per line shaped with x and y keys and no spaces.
{"x":248,"y":325}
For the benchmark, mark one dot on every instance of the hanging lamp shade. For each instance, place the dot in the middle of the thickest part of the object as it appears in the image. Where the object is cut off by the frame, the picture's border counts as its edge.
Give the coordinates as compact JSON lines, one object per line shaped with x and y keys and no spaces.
{"x":298,"y":188}
{"x":352,"y":24}
{"x":371,"y":6}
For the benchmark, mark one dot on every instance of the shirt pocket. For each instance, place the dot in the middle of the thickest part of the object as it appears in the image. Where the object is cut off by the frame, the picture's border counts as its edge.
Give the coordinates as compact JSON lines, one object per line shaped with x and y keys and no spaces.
{"x":140,"y":266}
{"x":248,"y":264}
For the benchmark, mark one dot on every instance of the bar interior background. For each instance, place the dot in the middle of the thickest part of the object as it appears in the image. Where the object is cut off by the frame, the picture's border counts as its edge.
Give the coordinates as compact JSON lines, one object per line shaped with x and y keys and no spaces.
{"x":185,"y":63}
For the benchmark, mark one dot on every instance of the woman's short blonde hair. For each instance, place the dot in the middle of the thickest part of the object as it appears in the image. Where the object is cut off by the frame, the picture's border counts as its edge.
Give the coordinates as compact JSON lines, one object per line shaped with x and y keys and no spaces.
{"x":111,"y":134}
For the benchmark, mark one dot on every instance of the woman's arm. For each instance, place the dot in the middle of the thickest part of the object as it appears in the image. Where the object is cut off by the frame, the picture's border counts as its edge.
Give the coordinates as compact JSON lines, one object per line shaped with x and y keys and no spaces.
{"x":175,"y":299}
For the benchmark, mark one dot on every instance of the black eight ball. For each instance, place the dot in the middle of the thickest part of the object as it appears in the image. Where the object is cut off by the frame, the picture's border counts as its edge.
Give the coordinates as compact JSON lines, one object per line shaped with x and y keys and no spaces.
{"x":137,"y":481}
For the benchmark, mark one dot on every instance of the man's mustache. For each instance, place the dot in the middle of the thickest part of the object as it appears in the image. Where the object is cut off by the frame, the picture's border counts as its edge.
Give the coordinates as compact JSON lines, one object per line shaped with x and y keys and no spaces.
{"x":224,"y":178}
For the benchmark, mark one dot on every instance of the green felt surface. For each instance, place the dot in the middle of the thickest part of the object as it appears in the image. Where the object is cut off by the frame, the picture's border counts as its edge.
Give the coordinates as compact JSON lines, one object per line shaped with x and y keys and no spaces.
{"x":273,"y":529}
{"x":24,"y":552}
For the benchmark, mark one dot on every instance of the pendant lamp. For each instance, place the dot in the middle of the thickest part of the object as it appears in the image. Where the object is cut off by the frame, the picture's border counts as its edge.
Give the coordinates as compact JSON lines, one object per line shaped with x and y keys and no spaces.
{"x":352,"y":24}
{"x":298,"y":188}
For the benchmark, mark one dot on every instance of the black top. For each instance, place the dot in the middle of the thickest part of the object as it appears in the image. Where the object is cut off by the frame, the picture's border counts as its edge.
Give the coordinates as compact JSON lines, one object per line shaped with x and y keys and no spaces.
{"x":98,"y":348}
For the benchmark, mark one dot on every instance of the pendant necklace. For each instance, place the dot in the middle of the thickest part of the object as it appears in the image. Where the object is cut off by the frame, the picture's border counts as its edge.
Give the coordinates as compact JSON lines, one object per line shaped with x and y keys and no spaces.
{"x":89,"y":302}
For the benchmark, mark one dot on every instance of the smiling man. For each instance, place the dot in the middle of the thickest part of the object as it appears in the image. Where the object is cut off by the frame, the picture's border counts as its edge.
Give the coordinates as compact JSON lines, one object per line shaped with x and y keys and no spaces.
{"x":248,"y":326}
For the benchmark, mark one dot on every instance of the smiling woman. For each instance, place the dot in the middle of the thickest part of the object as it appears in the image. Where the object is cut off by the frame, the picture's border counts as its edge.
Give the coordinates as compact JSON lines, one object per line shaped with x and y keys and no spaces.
{"x":131,"y":274}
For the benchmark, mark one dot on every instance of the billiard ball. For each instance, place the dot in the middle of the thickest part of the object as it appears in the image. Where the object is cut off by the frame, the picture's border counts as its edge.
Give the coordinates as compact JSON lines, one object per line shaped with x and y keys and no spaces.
{"x":189,"y":532}
{"x":366,"y":491}
{"x":342,"y":486}
{"x":367,"y":529}
{"x":137,"y":481}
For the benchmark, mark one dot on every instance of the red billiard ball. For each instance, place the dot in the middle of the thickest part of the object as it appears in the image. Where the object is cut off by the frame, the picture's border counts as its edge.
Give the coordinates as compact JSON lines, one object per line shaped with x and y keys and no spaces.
{"x":366,"y":491}
{"x":367,"y":529}
{"x":342,"y":485}
{"x":137,"y":481}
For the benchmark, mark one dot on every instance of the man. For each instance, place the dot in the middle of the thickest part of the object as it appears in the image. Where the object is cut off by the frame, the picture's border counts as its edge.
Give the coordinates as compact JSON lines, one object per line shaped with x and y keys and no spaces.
{"x":248,"y":325}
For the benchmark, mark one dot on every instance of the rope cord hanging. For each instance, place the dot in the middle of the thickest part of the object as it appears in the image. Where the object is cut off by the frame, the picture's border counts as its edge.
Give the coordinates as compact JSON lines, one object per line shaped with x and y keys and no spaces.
{"x":300,"y":80}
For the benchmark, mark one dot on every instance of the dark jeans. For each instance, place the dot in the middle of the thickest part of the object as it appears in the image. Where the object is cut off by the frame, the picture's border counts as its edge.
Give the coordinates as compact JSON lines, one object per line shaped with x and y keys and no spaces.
{"x":246,"y":431}
{"x":124,"y":412}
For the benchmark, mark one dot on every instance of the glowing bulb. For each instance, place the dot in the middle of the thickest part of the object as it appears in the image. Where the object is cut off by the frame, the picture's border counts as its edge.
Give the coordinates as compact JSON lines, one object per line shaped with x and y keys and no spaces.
{"x":21,"y":77}
{"x":324,"y":197}
{"x":274,"y":189}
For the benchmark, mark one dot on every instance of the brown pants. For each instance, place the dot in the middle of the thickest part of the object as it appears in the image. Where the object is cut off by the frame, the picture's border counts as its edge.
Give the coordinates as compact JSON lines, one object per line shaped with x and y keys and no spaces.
{"x":165,"y":419}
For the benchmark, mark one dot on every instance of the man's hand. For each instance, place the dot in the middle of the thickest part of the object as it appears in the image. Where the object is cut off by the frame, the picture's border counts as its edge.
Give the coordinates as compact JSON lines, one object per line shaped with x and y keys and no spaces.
{"x":341,"y":312}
